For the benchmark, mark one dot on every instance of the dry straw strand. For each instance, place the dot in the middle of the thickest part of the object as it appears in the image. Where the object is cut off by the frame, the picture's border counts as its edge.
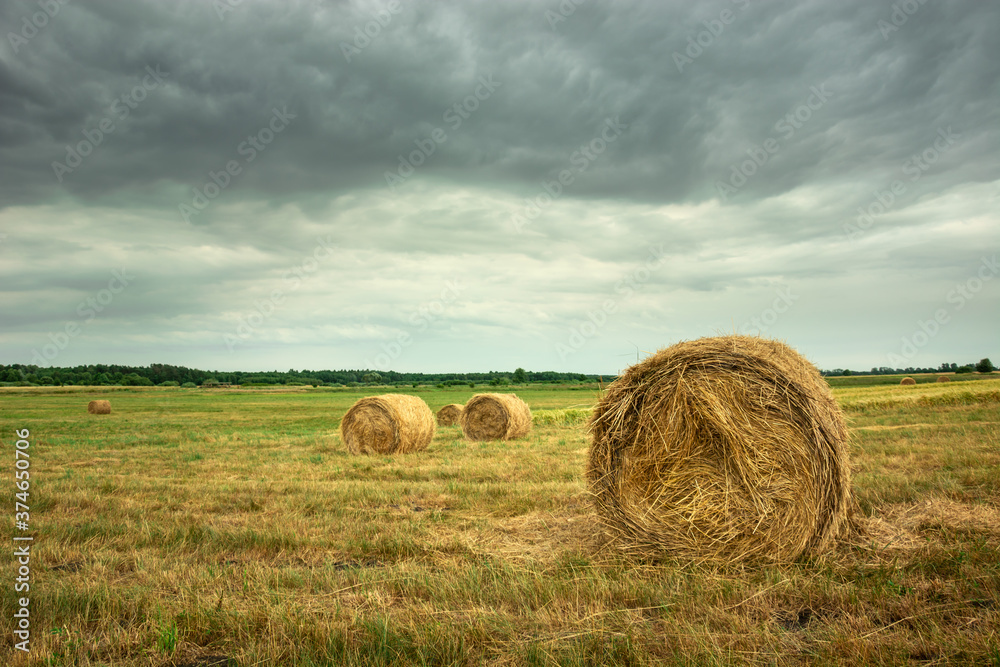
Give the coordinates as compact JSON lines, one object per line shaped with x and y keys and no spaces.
{"x":495,"y":417}
{"x":99,"y":407}
{"x":720,"y":450}
{"x":449,"y":414}
{"x":907,"y":381}
{"x":387,"y":424}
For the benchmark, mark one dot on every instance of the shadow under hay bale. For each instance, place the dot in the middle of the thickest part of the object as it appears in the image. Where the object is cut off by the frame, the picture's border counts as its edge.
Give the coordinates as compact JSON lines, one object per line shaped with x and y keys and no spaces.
{"x":387,"y":424}
{"x":99,"y":407}
{"x":495,"y":417}
{"x":449,"y":415}
{"x":721,"y":450}
{"x":907,"y":381}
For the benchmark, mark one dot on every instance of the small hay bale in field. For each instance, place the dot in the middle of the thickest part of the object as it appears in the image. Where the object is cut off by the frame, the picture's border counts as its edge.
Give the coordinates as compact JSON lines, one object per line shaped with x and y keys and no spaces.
{"x":720,"y":450}
{"x":943,"y":378}
{"x":387,"y":424}
{"x":907,"y":381}
{"x":495,"y":417}
{"x":99,"y":407}
{"x":449,"y":414}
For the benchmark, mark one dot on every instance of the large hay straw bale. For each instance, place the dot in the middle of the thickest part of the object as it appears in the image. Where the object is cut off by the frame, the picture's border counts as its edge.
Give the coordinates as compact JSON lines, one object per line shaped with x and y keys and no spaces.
{"x":720,"y":450}
{"x":943,"y":378}
{"x":449,"y":414}
{"x":387,"y":424}
{"x":99,"y":407}
{"x":907,"y":381}
{"x":495,"y":417}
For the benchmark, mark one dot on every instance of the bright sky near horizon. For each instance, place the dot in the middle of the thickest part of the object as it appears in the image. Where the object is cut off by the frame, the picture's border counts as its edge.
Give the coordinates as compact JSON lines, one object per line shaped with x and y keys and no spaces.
{"x":474,"y":186}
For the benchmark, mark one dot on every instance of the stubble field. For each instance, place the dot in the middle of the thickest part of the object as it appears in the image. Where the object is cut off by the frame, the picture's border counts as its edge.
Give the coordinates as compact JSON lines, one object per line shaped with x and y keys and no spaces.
{"x":198,"y":527}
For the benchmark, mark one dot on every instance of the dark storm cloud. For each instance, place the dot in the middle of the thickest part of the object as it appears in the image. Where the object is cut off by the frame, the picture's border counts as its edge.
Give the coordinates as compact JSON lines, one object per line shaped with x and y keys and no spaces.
{"x":556,"y":85}
{"x":740,"y":136}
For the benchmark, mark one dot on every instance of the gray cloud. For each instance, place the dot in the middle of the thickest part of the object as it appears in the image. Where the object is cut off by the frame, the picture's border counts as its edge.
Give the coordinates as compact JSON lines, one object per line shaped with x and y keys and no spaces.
{"x":805,"y":111}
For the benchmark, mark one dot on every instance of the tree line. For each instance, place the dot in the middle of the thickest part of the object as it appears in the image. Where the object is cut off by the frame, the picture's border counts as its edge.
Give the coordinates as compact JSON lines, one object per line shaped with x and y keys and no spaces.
{"x":982,"y":366}
{"x":168,"y":375}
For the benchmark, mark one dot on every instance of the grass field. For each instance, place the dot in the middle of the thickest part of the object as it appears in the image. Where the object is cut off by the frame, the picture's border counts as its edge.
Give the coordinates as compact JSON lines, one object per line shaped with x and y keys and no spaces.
{"x":192,"y":527}
{"x":919,"y":378}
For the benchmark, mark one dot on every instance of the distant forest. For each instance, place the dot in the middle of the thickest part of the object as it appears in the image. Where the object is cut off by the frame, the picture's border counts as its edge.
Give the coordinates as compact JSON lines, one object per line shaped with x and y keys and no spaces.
{"x":982,"y":366}
{"x":167,"y":375}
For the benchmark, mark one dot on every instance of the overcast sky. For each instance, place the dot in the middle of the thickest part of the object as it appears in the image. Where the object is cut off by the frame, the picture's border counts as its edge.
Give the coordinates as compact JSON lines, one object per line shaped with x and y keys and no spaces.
{"x":473,"y":186}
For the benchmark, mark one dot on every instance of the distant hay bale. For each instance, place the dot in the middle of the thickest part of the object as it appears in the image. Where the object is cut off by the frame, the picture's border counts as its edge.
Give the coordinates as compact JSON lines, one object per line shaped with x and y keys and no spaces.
{"x":449,"y":415}
{"x":907,"y":381}
{"x":495,"y":417}
{"x":943,"y":378}
{"x":99,"y":407}
{"x":387,"y":424}
{"x":720,"y":450}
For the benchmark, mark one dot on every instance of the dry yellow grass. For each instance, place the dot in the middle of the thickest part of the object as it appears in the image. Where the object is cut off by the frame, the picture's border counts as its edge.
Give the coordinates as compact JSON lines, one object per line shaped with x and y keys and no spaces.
{"x":720,"y":449}
{"x":229,"y":526}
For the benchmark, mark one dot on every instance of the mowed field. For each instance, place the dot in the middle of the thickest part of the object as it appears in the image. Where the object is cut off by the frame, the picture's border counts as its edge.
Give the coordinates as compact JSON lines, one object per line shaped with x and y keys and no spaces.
{"x":198,"y":527}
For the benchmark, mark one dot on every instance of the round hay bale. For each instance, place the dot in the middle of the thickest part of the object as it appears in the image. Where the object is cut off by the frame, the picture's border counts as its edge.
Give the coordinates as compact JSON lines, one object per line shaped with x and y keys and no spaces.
{"x":449,"y":414}
{"x":387,"y":424}
{"x":495,"y":417}
{"x":907,"y":381}
{"x":943,"y":378}
{"x":720,"y":450}
{"x":99,"y":407}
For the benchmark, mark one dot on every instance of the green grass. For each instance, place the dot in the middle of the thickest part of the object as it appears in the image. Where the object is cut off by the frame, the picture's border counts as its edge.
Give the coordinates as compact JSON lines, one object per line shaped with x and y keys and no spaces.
{"x":920,"y":378}
{"x":189,"y":524}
